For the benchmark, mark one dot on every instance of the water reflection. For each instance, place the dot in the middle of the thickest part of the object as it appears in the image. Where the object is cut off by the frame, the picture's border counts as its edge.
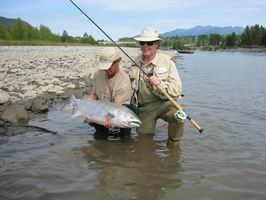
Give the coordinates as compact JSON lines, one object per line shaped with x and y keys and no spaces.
{"x":228,"y":160}
{"x":139,"y":169}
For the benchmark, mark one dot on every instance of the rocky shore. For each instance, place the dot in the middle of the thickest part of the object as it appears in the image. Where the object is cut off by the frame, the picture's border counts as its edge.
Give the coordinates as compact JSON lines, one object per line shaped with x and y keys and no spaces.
{"x":32,"y":78}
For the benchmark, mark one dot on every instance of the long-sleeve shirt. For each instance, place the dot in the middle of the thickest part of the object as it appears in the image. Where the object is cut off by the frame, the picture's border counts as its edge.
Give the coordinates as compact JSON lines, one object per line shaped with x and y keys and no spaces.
{"x":116,"y":89}
{"x":164,"y":68}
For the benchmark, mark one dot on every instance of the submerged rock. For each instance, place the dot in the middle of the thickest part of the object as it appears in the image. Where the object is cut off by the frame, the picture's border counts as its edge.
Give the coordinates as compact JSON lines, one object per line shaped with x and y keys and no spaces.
{"x":15,"y":113}
{"x":39,"y":105}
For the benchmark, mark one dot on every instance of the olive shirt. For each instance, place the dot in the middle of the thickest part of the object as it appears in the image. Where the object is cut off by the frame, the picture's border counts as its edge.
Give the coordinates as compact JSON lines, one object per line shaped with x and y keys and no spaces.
{"x":116,"y":89}
{"x":165,"y":69}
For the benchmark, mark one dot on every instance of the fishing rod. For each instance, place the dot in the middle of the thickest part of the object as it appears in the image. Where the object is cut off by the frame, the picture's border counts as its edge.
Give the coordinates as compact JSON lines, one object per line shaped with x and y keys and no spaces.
{"x":159,"y":87}
{"x":108,"y":37}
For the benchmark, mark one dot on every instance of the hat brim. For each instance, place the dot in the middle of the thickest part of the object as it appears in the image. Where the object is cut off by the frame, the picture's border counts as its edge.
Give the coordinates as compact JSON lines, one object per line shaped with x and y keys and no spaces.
{"x":147,"y":39}
{"x":104,"y":65}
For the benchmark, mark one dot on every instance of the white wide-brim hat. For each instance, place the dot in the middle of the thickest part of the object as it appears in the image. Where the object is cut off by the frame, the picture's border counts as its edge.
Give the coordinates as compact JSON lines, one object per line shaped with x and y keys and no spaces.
{"x":148,"y":34}
{"x":108,"y":56}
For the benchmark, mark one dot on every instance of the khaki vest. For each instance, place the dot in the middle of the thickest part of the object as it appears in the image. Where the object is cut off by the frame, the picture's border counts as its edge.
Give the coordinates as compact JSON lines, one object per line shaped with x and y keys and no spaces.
{"x":164,"y":68}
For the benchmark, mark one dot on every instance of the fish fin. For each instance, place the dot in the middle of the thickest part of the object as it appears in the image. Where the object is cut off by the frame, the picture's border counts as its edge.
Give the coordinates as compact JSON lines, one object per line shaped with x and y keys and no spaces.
{"x":67,"y":107}
{"x":73,"y":99}
{"x":77,"y":114}
{"x":74,"y":102}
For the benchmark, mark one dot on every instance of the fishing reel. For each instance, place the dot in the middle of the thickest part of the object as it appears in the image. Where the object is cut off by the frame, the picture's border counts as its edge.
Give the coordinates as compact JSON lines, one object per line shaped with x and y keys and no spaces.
{"x":180,"y":116}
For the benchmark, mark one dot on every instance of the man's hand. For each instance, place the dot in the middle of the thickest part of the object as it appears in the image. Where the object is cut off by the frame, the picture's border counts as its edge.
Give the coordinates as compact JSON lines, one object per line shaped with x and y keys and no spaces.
{"x":92,"y":97}
{"x":108,"y":123}
{"x":154,"y":80}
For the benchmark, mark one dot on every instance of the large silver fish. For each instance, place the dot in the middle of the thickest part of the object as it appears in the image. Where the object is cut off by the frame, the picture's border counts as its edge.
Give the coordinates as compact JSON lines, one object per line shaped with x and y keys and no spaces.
{"x":99,"y":111}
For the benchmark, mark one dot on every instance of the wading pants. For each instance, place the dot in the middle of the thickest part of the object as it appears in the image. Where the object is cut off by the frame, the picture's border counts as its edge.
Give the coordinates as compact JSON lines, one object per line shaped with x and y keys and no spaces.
{"x":149,"y":113}
{"x":103,"y":133}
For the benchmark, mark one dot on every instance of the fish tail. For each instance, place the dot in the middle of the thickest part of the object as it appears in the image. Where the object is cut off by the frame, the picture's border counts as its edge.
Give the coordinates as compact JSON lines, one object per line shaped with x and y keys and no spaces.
{"x":73,"y":98}
{"x":76,"y":114}
{"x":74,"y":103}
{"x":76,"y":110}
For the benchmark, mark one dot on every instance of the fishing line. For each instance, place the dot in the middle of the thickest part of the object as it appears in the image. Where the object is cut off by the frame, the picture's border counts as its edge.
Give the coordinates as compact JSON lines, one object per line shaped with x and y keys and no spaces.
{"x":159,"y":87}
{"x":108,"y":37}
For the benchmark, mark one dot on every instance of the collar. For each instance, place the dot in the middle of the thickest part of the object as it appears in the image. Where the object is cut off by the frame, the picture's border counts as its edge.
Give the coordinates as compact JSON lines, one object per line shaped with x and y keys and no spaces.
{"x":154,"y":61}
{"x":118,"y":71}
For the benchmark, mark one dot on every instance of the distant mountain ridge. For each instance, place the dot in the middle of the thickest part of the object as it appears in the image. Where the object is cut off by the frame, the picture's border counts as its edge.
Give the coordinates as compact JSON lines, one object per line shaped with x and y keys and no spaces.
{"x":7,"y":21}
{"x":10,"y":21}
{"x":195,"y":31}
{"x":199,"y":30}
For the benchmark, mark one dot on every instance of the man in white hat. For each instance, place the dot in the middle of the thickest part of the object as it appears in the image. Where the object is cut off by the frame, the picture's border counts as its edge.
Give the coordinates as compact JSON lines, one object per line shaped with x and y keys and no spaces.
{"x":111,"y":83}
{"x":162,"y":71}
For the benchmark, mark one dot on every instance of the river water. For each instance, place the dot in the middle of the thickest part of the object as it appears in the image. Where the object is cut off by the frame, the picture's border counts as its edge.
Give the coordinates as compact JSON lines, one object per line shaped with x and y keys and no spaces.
{"x":224,"y":92}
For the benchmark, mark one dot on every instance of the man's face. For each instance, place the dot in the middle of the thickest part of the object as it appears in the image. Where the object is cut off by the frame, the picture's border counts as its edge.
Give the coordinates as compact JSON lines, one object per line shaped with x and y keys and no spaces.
{"x":113,"y":69}
{"x":148,"y":48}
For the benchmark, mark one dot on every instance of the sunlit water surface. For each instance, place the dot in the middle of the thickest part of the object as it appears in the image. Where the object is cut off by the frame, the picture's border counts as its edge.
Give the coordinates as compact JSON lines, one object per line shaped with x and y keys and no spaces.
{"x":224,"y":92}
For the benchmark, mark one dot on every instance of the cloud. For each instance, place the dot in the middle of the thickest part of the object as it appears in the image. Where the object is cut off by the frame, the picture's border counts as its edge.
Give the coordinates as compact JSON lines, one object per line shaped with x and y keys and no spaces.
{"x":141,"y":5}
{"x":173,"y":5}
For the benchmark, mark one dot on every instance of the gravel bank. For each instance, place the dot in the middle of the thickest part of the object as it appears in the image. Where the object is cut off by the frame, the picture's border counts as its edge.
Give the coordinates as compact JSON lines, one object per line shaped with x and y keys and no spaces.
{"x":32,"y":78}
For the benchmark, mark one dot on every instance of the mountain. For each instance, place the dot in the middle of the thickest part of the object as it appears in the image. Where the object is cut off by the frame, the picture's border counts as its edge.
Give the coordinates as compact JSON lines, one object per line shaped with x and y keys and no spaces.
{"x":199,"y":30}
{"x":9,"y":21}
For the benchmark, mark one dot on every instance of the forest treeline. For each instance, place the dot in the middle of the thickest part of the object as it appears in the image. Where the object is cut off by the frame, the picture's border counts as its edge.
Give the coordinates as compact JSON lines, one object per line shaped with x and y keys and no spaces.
{"x":19,"y":30}
{"x":253,"y":36}
{"x":22,"y":31}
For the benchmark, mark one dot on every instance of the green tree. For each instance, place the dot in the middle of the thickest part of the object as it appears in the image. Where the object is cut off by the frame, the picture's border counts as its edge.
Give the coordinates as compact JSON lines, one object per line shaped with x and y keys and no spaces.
{"x":126,"y":39}
{"x":203,"y":40}
{"x":168,"y":42}
{"x":177,"y":44}
{"x":92,"y":40}
{"x":18,"y":30}
{"x":263,"y":42}
{"x":85,"y":38}
{"x":257,"y":34}
{"x":246,"y":38}
{"x":231,"y":40}
{"x":30,"y":33}
{"x":215,"y":39}
{"x":64,"y":37}
{"x":70,"y":39}
{"x":4,"y":32}
{"x":45,"y":33}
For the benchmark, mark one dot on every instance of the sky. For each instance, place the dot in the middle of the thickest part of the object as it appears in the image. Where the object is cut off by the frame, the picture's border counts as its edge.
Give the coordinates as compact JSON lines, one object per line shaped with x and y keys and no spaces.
{"x":126,"y":18}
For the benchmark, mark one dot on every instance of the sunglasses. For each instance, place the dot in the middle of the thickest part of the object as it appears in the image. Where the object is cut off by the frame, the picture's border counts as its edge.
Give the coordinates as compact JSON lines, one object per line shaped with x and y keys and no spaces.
{"x":148,"y":43}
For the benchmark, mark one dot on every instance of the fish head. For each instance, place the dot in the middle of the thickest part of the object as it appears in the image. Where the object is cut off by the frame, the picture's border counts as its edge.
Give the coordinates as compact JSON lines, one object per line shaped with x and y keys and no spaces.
{"x":127,"y":120}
